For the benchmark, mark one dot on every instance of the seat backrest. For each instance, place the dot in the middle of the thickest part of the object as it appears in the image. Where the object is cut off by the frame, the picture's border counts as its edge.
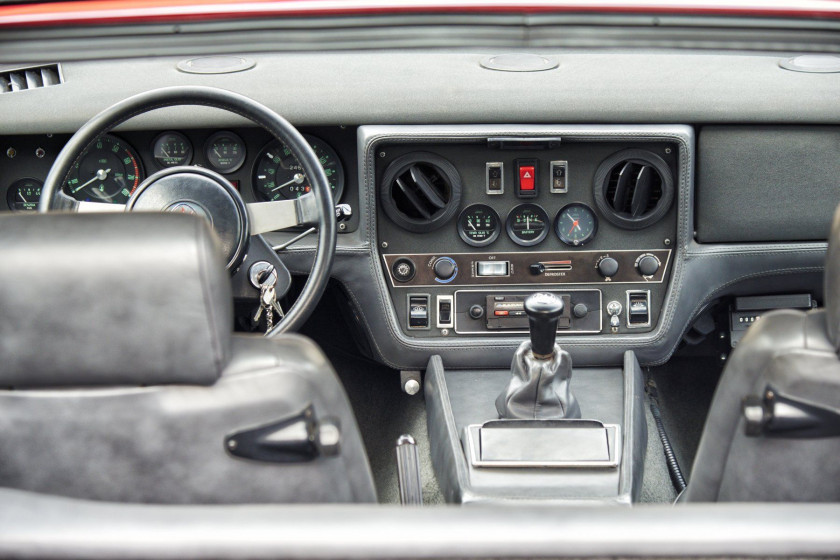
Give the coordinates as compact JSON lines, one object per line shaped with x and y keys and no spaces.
{"x":121,"y":379}
{"x":112,"y":299}
{"x":796,"y":354}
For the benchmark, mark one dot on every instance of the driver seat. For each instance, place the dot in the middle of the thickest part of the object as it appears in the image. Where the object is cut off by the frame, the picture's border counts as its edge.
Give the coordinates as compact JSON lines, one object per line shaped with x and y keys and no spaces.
{"x":123,"y":382}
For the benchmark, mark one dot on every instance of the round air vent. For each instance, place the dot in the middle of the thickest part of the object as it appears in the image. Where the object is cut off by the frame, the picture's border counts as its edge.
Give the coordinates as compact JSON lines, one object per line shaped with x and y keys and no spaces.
{"x":420,"y":191}
{"x":633,"y":188}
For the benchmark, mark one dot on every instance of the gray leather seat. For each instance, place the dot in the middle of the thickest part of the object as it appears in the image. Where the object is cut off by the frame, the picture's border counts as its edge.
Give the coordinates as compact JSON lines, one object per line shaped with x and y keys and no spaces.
{"x":792,"y":355}
{"x":122,"y":379}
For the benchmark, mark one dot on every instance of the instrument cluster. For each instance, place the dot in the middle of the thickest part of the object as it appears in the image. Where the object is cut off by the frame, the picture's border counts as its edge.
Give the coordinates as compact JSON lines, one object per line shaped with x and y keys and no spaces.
{"x":109,"y":171}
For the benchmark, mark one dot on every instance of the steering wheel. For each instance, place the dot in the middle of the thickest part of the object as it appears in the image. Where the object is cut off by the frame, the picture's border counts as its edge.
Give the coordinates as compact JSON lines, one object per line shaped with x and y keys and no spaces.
{"x":195,"y":190}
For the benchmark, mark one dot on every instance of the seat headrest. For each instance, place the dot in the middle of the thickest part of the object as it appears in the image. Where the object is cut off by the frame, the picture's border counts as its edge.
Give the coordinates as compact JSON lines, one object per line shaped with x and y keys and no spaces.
{"x":111,"y":299}
{"x":831,"y":282}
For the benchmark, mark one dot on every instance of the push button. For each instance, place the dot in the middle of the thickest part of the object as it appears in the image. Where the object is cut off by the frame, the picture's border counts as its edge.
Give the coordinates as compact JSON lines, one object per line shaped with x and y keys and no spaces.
{"x":526,"y":184}
{"x":526,"y":177}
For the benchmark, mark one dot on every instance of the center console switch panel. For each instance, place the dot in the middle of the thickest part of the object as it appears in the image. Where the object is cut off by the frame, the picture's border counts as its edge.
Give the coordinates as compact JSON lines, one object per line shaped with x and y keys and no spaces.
{"x":482,"y":312}
{"x":579,"y":267}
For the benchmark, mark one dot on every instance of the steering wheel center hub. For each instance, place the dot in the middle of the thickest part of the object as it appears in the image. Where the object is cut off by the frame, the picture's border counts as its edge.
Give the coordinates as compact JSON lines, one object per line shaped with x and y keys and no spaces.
{"x":201,"y":192}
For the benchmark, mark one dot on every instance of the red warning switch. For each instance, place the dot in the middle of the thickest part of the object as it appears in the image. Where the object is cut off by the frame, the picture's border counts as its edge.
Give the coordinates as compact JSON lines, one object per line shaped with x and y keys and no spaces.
{"x":526,"y":178}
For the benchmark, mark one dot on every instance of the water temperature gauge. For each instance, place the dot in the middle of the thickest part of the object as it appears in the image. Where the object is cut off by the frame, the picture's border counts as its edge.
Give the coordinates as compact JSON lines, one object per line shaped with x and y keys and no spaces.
{"x":479,"y":225}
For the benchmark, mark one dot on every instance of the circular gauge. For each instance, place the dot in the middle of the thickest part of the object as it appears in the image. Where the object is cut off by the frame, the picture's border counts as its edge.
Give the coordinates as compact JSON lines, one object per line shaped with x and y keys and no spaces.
{"x":479,"y":225}
{"x":527,"y":224}
{"x":278,"y":174}
{"x":576,"y":224}
{"x":171,"y":149}
{"x":108,"y":171}
{"x":23,"y":195}
{"x":225,"y":151}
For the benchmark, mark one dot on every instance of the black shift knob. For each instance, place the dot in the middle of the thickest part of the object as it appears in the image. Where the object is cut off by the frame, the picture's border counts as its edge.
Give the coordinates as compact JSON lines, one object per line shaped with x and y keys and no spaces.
{"x":543,"y":309}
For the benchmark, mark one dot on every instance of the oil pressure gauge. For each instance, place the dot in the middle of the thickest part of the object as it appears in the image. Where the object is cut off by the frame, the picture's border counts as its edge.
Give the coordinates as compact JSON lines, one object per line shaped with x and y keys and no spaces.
{"x":576,"y":224}
{"x":479,"y":225}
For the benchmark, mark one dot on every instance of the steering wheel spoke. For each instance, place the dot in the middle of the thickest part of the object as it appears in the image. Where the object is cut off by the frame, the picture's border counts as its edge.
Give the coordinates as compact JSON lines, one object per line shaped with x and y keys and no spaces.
{"x":85,"y":207}
{"x":283,"y":214}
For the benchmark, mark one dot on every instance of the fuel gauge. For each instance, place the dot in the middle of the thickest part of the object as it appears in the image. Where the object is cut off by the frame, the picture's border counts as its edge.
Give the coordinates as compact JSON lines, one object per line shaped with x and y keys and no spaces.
{"x":527,"y":224}
{"x":23,"y":195}
{"x":479,"y":225}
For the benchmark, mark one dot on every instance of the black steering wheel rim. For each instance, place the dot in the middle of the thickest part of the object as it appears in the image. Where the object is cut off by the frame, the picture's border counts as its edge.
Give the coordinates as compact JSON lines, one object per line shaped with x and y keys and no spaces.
{"x":277,"y":126}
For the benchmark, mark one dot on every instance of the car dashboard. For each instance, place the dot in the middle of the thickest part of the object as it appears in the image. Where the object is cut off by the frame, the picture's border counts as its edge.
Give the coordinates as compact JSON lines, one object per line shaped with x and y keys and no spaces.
{"x":638,"y":204}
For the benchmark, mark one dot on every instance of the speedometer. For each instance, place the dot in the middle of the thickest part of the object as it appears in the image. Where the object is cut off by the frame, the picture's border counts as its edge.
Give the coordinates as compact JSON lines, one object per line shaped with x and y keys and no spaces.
{"x":108,"y":171}
{"x":278,"y":174}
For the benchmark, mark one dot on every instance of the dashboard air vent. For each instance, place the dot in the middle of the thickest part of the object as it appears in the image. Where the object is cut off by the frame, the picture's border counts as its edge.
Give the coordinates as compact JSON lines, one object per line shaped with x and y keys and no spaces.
{"x":20,"y":79}
{"x":420,"y":192}
{"x":633,"y":188}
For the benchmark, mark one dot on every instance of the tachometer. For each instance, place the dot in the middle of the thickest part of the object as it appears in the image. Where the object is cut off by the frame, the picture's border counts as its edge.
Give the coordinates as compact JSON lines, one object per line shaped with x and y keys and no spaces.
{"x":108,"y":171}
{"x":576,"y":224}
{"x":24,"y":194}
{"x":278,"y":174}
{"x":527,"y":224}
{"x":479,"y":225}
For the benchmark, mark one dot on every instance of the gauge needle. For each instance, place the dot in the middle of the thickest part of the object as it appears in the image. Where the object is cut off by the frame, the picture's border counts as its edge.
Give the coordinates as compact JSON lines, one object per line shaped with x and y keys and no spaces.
{"x":469,"y":223}
{"x":20,"y":194}
{"x":165,"y":153}
{"x":574,"y":225}
{"x":527,"y":223}
{"x":298,"y":178}
{"x":101,"y":175}
{"x":217,"y":152}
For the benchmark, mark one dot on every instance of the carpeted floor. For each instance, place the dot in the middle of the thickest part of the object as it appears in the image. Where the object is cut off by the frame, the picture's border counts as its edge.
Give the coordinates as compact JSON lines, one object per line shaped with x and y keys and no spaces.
{"x":686,"y":385}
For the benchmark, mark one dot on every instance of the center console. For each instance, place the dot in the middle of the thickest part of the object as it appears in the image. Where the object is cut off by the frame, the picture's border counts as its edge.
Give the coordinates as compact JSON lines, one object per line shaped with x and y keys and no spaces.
{"x":471,"y":222}
{"x":470,"y":226}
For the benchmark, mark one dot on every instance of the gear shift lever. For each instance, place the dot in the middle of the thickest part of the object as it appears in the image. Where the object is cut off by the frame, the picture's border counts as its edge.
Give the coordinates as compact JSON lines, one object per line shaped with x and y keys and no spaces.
{"x":543,"y":309}
{"x":541,"y":371}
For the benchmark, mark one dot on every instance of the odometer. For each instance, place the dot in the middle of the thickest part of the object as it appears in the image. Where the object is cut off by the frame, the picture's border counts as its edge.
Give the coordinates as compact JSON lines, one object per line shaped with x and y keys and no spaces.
{"x":527,"y":224}
{"x":279,"y":175}
{"x":479,"y":225}
{"x":108,"y":171}
{"x":576,"y":224}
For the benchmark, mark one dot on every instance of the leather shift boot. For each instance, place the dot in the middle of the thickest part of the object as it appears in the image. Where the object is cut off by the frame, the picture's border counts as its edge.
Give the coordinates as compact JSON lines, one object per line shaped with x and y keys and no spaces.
{"x":538,"y":389}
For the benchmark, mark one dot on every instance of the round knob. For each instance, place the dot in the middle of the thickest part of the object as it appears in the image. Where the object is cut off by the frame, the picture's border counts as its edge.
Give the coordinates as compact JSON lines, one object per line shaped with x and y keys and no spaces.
{"x":608,"y":267}
{"x":543,"y":309}
{"x":476,"y":312}
{"x":580,"y":310}
{"x":445,"y":268}
{"x":648,"y":265}
{"x":403,"y":269}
